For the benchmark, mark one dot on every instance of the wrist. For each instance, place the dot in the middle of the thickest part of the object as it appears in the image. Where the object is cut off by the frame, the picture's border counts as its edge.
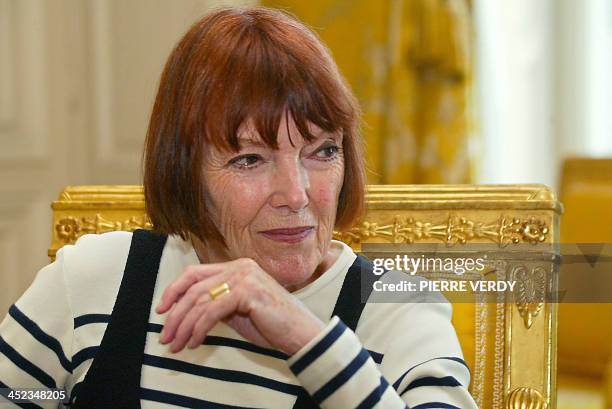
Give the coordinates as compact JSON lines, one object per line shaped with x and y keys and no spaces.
{"x":305,"y":347}
{"x":305,"y":333}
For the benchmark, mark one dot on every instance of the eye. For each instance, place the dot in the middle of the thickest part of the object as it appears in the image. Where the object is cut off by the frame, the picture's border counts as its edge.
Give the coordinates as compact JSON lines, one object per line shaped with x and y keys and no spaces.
{"x":328,"y":151}
{"x":247,"y":161}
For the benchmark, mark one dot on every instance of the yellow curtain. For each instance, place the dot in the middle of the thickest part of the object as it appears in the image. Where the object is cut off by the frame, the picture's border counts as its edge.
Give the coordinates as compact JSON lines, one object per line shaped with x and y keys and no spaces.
{"x":408,"y":62}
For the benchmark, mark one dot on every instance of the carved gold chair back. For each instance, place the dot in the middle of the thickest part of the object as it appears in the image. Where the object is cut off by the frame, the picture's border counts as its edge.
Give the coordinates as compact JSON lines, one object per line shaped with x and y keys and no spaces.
{"x":509,"y":344}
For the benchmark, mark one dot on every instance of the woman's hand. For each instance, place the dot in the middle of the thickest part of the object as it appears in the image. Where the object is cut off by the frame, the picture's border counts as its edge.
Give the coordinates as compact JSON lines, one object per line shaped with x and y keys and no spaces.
{"x":257,"y":307}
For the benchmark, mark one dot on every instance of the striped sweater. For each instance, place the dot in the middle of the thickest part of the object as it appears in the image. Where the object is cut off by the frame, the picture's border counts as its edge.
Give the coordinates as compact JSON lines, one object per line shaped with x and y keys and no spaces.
{"x":401,"y":355}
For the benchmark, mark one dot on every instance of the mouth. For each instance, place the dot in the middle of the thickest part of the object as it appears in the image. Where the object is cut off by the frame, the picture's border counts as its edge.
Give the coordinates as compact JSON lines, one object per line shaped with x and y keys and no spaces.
{"x":288,"y":235}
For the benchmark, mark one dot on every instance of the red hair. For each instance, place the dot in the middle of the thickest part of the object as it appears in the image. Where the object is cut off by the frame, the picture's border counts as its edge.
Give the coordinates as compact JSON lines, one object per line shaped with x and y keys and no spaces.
{"x":231,"y":66}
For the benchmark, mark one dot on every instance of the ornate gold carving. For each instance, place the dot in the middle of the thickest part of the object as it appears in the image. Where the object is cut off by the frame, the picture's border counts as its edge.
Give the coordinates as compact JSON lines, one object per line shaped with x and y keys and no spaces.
{"x":455,"y":229}
{"x":531,"y":230}
{"x":500,"y":342}
{"x":526,"y":398}
{"x":480,"y":353}
{"x":531,"y":292}
{"x":71,"y":228}
{"x":65,"y":195}
{"x":68,"y":229}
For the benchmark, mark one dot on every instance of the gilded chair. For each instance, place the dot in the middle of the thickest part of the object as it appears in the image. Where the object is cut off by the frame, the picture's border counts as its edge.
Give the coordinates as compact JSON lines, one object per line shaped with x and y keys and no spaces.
{"x":509,"y":343}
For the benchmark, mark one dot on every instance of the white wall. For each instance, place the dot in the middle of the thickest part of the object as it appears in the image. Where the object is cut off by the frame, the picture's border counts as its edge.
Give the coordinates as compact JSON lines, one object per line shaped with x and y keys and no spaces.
{"x":77,"y":79}
{"x":514,"y":79}
{"x":544,"y":86}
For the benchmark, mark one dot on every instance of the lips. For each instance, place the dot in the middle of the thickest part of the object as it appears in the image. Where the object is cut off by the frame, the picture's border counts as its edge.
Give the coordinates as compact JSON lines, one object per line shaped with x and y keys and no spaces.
{"x":288,"y":235}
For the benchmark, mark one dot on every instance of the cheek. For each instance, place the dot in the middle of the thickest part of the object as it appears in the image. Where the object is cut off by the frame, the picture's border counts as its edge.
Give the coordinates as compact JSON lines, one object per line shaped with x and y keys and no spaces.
{"x":326,"y":196}
{"x":237,"y":201}
{"x":327,"y":193}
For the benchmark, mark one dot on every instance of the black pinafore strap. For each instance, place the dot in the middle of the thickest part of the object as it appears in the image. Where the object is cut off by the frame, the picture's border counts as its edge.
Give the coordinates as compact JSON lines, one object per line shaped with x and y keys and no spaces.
{"x":113,"y":381}
{"x":350,"y":304}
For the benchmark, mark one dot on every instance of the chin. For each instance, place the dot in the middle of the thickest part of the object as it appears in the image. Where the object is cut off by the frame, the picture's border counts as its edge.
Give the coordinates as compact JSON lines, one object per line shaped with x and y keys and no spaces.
{"x":290,"y":270}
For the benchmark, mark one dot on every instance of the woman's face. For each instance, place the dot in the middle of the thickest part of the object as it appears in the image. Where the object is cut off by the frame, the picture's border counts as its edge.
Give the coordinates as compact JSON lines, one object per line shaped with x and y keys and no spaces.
{"x":278,"y":207}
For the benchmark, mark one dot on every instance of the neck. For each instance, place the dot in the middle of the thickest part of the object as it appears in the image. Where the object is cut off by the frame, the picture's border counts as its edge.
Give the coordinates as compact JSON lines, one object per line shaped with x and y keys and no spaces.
{"x":214,"y":252}
{"x":332,"y":255}
{"x":209,"y":251}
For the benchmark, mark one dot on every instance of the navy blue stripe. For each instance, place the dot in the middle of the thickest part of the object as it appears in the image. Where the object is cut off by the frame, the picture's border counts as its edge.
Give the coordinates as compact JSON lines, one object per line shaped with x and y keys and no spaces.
{"x":154,"y":327}
{"x":376,"y":356}
{"x":230,"y":342}
{"x":431,"y":381}
{"x":220,"y":374}
{"x":25,"y":365}
{"x":209,"y":340}
{"x":436,"y":405}
{"x":41,"y":336}
{"x":181,"y":400}
{"x":25,"y":405}
{"x":91,"y":319}
{"x":83,"y":355}
{"x":213,"y":373}
{"x":316,"y":351}
{"x":236,"y":343}
{"x":374,"y":397}
{"x":340,"y":379}
{"x":397,"y":383}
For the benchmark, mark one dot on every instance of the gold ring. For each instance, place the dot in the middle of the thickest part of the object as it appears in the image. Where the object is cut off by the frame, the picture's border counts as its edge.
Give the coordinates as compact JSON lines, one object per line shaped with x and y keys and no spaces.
{"x":219,"y":290}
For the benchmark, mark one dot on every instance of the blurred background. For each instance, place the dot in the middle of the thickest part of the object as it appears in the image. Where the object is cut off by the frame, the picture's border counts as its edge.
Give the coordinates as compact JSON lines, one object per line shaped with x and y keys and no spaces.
{"x":453,"y":91}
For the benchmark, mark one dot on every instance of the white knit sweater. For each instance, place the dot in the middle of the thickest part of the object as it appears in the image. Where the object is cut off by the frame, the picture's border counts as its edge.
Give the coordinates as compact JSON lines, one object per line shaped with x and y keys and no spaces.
{"x":402,"y":354}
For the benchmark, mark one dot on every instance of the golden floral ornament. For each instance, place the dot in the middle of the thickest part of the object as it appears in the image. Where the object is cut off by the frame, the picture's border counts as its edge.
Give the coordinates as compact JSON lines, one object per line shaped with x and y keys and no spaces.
{"x":526,"y":398}
{"x":532,"y":230}
{"x":368,"y":229}
{"x":531,"y":291}
{"x":452,"y":230}
{"x":68,"y":229}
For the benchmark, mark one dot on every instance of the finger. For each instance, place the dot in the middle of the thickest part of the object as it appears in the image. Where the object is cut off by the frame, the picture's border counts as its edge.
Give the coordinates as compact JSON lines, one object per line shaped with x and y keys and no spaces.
{"x":182,"y":307}
{"x":216,"y":310}
{"x":185,"y":329}
{"x":178,"y":312}
{"x":192,"y":275}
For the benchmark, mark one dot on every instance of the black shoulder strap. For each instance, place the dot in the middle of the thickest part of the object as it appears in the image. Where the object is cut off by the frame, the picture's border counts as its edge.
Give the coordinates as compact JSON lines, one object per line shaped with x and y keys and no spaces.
{"x":356,"y":288}
{"x":113,"y":381}
{"x":348,"y":308}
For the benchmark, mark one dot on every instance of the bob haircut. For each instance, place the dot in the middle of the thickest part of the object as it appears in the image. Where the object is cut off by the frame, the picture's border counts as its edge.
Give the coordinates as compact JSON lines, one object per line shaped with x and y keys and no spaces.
{"x":232,"y":66}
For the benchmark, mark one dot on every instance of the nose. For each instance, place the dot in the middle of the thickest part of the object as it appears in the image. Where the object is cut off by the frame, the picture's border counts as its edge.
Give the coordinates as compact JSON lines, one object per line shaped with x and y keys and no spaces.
{"x":291,"y":184}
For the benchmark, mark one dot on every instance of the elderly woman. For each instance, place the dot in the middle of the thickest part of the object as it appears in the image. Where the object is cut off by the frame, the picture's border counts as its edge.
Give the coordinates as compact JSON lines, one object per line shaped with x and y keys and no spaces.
{"x":240,"y":298}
